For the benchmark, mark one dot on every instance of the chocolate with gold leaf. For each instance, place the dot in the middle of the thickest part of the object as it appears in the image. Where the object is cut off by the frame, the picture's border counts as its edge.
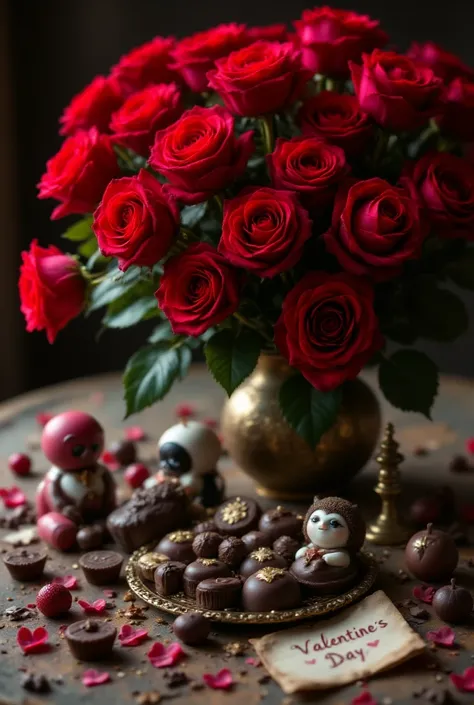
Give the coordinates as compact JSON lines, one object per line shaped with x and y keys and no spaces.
{"x":178,"y":546}
{"x":237,"y":516}
{"x":201,"y":569}
{"x":149,"y":562}
{"x":281,"y":522}
{"x":271,"y":588}
{"x":259,"y":559}
{"x":431,"y":555}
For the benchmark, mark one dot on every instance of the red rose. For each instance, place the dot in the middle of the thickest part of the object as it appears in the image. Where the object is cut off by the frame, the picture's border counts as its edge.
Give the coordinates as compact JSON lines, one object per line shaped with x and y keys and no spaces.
{"x":143,"y":114}
{"x":194,"y":56}
{"x":376,"y":228}
{"x":92,"y":107}
{"x":399,"y":94}
{"x":135,"y":221}
{"x":262,"y":78}
{"x":199,"y":154}
{"x":52,"y":289}
{"x":264,"y":231}
{"x":338,"y":119}
{"x":146,"y":64}
{"x":445,"y":187}
{"x":309,"y":166}
{"x":331,"y":38}
{"x":444,"y":64}
{"x":78,"y":174}
{"x":268,"y":33}
{"x":328,"y":329}
{"x":457,"y":119}
{"x":199,"y":289}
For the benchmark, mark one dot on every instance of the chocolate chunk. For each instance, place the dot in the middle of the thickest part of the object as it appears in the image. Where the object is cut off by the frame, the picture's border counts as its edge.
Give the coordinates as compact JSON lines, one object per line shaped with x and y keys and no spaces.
{"x":419,"y":613}
{"x":25,"y":564}
{"x":237,"y":516}
{"x":206,"y":544}
{"x":256,"y":539}
{"x":18,"y":614}
{"x":201,"y":569}
{"x":90,"y":640}
{"x":125,"y":452}
{"x":175,"y":679}
{"x":261,"y":558}
{"x":232,"y":551}
{"x":169,"y":578}
{"x":286,"y":547}
{"x":35,"y":683}
{"x":192,"y":628}
{"x":271,"y":589}
{"x":218,"y":593}
{"x":90,"y":537}
{"x":101,"y":567}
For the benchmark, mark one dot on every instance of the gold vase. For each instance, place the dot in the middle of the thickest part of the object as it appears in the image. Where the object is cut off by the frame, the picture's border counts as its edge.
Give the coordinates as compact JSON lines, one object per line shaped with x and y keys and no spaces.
{"x":282,"y":464}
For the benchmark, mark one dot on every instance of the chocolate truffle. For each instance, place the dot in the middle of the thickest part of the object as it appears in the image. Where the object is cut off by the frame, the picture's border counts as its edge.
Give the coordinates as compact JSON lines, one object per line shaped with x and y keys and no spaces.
{"x":125,"y":452}
{"x":192,"y":628}
{"x":218,"y":593}
{"x":25,"y":563}
{"x":237,"y":516}
{"x":261,"y":558}
{"x":178,"y":546}
{"x":90,"y":537}
{"x":453,"y":603}
{"x":148,"y":563}
{"x":431,"y":555}
{"x":169,"y":578}
{"x":206,"y":545}
{"x":203,"y":526}
{"x":101,"y":567}
{"x":316,"y":577}
{"x":201,"y":569}
{"x":232,"y":551}
{"x":281,"y":522}
{"x":90,"y":639}
{"x":271,"y":589}
{"x":286,"y":547}
{"x":256,"y":539}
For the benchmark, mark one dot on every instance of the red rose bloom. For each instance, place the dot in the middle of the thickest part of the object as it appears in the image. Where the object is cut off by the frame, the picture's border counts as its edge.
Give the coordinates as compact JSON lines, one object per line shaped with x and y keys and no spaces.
{"x":264,"y":231}
{"x":199,"y":154}
{"x":309,"y":166}
{"x":143,"y":114}
{"x":52,"y":289}
{"x":457,"y":119}
{"x":328,"y":329}
{"x":194,"y":56}
{"x":376,"y":228}
{"x":146,"y":64}
{"x":445,"y":187}
{"x":136,"y":222}
{"x":399,"y":94}
{"x":338,"y":119}
{"x":92,"y":107}
{"x":331,"y":38}
{"x":78,"y":174}
{"x":262,"y":78}
{"x":199,"y":289}
{"x":443,"y":63}
{"x":268,"y":33}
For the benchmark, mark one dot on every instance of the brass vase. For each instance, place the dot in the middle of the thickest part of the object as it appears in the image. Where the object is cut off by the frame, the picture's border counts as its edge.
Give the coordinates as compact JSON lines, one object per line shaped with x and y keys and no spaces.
{"x":282,"y":464}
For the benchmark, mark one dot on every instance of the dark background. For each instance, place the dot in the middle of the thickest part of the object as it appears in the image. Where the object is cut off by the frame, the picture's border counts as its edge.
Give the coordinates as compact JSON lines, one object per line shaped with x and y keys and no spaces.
{"x":49,"y":50}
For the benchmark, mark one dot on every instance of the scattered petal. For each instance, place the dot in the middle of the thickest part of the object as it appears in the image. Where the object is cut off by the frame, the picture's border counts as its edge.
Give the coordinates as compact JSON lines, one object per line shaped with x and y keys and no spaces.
{"x":252,"y":661}
{"x":470,"y":445}
{"x":135,"y":433}
{"x":364,"y":698}
{"x":425,"y":593}
{"x":444,"y":636}
{"x":185,"y":411}
{"x":464,"y":681}
{"x":43,"y":417}
{"x":97,"y":398}
{"x":31,"y":605}
{"x":32,"y":642}
{"x":92,"y":677}
{"x":161,"y":656}
{"x":12,"y":497}
{"x":128,"y":636}
{"x":211,"y":423}
{"x":62,"y":628}
{"x":109,"y":459}
{"x":69,"y":581}
{"x":221,"y":681}
{"x":110,"y":594}
{"x":96,"y":607}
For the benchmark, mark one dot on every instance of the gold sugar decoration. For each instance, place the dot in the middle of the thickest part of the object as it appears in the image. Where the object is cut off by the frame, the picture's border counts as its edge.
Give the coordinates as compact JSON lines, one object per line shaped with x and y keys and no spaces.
{"x":151,"y":560}
{"x":207,"y":561}
{"x":181,"y":536}
{"x":268,"y":574}
{"x":234,"y":511}
{"x":262,"y":554}
{"x":422,"y":542}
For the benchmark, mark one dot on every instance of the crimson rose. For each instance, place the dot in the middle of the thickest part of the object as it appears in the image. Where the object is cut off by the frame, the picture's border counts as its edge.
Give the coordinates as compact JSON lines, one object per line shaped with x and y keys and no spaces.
{"x":444,"y":64}
{"x":199,"y":289}
{"x":264,"y":230}
{"x":376,"y":228}
{"x":337,"y":118}
{"x":268,"y":33}
{"x":78,"y":174}
{"x":309,"y":166}
{"x":52,"y":289}
{"x":200,"y":155}
{"x":92,"y":107}
{"x":457,"y":119}
{"x":146,"y":64}
{"x":262,"y":78}
{"x":399,"y":94}
{"x":331,"y":38}
{"x":135,"y":221}
{"x":328,"y":329}
{"x":143,"y":114}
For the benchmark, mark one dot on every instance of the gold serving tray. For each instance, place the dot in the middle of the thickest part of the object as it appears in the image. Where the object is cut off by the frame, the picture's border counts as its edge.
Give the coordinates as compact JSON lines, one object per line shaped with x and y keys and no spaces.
{"x":311,"y":607}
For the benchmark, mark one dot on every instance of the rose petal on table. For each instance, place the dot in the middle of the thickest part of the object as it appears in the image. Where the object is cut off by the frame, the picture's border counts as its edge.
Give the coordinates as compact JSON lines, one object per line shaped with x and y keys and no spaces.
{"x":220,"y":681}
{"x":464,"y":681}
{"x":110,"y":594}
{"x":92,"y":677}
{"x":128,"y":636}
{"x":252,"y":661}
{"x":135,"y":433}
{"x":185,"y":410}
{"x":425,"y":593}
{"x":32,"y":642}
{"x":12,"y":497}
{"x":444,"y":636}
{"x":42,"y":418}
{"x":96,"y":607}
{"x":364,"y":698}
{"x":69,"y":581}
{"x":110,"y":460}
{"x":470,"y":445}
{"x":31,"y":605}
{"x":161,"y":656}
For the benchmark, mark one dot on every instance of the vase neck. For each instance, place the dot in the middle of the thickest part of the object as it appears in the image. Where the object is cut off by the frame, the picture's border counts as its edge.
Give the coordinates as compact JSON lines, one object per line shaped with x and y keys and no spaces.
{"x":274,"y":364}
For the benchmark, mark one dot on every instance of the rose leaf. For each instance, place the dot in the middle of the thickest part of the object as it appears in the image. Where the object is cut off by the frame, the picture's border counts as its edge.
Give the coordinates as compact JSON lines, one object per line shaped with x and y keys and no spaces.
{"x":80,"y":231}
{"x":131,"y":314}
{"x":191,"y":215}
{"x":409,"y":381}
{"x":113,"y":287}
{"x":232,"y":358}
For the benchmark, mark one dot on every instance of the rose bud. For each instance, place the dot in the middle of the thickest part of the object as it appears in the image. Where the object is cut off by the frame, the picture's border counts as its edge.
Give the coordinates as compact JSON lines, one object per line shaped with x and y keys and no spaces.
{"x":457,"y":120}
{"x":443,"y":63}
{"x":146,"y":65}
{"x":92,"y":107}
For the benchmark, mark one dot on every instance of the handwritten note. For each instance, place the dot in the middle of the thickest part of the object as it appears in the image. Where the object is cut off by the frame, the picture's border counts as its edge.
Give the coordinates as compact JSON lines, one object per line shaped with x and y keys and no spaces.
{"x":363,"y":639}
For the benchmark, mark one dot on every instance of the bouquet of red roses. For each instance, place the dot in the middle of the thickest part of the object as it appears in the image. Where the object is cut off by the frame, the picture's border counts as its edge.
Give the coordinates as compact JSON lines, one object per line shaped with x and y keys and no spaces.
{"x":254,"y":190}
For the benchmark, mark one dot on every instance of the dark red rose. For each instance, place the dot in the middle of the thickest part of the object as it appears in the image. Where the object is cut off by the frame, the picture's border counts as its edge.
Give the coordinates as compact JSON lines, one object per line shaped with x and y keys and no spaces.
{"x":331,"y":38}
{"x":52,"y":289}
{"x":146,"y":64}
{"x":264,"y":77}
{"x":200,"y":155}
{"x":310,"y":167}
{"x":78,"y":174}
{"x":376,"y":228}
{"x":457,"y":119}
{"x":445,"y":187}
{"x":444,"y":64}
{"x":199,"y":289}
{"x":92,"y":107}
{"x":268,"y":33}
{"x":328,"y":329}
{"x":194,"y":56}
{"x":338,"y":119}
{"x":264,"y":231}
{"x":136,"y":221}
{"x":399,"y":94}
{"x":143,"y":114}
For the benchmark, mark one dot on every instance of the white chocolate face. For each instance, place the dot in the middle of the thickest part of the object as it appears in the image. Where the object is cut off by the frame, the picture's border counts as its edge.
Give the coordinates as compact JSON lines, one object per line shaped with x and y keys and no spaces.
{"x":327,"y":530}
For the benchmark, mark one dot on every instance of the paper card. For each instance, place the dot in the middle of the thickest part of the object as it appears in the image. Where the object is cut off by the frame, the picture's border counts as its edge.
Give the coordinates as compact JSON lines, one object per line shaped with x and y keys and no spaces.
{"x":363,"y":639}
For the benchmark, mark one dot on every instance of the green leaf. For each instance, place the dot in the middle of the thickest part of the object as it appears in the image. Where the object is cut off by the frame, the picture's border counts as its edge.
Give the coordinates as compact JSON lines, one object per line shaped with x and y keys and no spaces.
{"x":438,"y":313}
{"x":130,"y":315}
{"x":309,"y":411}
{"x":462,"y":270}
{"x":232,"y":358}
{"x":409,"y":381}
{"x":88,"y":247}
{"x":161,"y":333}
{"x":80,"y":231}
{"x":96,"y":258}
{"x":115,"y":285}
{"x":191,"y":215}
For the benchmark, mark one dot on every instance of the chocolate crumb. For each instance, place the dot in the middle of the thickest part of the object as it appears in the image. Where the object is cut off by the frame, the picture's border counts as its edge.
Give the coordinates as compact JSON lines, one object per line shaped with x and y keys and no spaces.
{"x":91,"y":626}
{"x":18,"y":614}
{"x":235,"y":648}
{"x":177,"y":679}
{"x":419,"y":613}
{"x":35,"y":683}
{"x":129,"y":596}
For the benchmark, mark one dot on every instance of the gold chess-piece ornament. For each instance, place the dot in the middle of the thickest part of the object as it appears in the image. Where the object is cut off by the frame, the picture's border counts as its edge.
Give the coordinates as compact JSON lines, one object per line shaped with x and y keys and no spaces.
{"x":387,"y":530}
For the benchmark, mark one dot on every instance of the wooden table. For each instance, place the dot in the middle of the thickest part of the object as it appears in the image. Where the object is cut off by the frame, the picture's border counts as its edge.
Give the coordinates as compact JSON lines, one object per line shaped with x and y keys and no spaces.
{"x":130,"y":670}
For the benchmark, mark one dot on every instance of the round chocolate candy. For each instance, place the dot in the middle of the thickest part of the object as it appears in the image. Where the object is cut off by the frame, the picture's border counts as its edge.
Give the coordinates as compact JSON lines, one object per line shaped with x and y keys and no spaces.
{"x":206,"y":545}
{"x":453,"y":603}
{"x":101,"y":567}
{"x":201,"y":569}
{"x":203,"y":526}
{"x":256,"y":539}
{"x":90,"y":537}
{"x":261,"y":558}
{"x":178,"y":546}
{"x":25,"y":563}
{"x":431,"y":555}
{"x":192,"y":628}
{"x":232,"y":551}
{"x":90,"y":639}
{"x":169,"y":578}
{"x":281,"y":522}
{"x":237,"y":516}
{"x":218,"y":593}
{"x":286,"y":547}
{"x":125,"y":452}
{"x":149,"y":562}
{"x":271,"y":589}
{"x":316,"y":577}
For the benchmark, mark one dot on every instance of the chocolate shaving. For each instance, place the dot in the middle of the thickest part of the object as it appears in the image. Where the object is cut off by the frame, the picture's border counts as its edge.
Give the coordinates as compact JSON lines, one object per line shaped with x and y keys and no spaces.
{"x":18,"y":614}
{"x":35,"y":683}
{"x":176,"y":679}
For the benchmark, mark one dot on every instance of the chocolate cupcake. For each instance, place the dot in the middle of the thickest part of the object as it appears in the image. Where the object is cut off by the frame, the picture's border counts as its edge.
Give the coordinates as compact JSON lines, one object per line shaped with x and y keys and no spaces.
{"x":25,"y":563}
{"x":178,"y":546}
{"x":148,"y":563}
{"x":200,"y":570}
{"x":261,"y":558}
{"x":237,"y":516}
{"x":101,"y":567}
{"x":169,"y":578}
{"x":286,"y":547}
{"x":256,"y":539}
{"x":318,"y":578}
{"x":232,"y":551}
{"x":90,"y":639}
{"x":281,"y":522}
{"x":218,"y":593}
{"x":206,"y":545}
{"x":271,"y":589}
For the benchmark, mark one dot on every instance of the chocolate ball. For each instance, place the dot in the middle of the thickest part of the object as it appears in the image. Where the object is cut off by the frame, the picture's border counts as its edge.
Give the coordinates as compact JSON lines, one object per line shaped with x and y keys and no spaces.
{"x":206,"y":545}
{"x":286,"y":547}
{"x":208,"y":525}
{"x":192,"y":628}
{"x":256,"y":539}
{"x":125,"y":452}
{"x":271,"y":589}
{"x":232,"y":551}
{"x":237,"y":516}
{"x":261,"y":558}
{"x":453,"y":603}
{"x":431,"y":555}
{"x":178,"y":546}
{"x":90,"y":537}
{"x":281,"y":522}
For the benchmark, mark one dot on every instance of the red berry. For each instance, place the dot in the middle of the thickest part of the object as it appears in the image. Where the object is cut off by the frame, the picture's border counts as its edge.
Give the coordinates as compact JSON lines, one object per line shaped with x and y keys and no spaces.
{"x":19,"y":463}
{"x":136,"y":474}
{"x":53,"y":599}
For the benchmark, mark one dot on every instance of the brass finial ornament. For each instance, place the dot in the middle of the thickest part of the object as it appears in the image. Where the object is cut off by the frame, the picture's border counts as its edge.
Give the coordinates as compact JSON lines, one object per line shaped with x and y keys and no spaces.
{"x":387,"y":530}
